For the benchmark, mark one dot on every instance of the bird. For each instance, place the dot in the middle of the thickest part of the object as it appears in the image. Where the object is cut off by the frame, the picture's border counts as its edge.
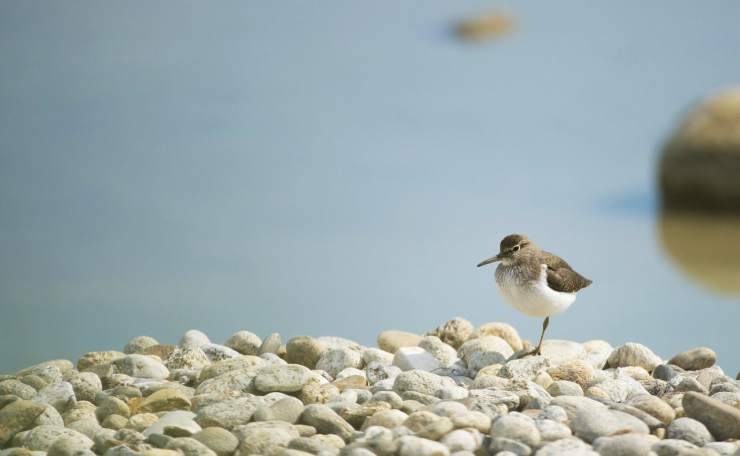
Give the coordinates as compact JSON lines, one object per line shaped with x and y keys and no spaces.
{"x":533,"y":281}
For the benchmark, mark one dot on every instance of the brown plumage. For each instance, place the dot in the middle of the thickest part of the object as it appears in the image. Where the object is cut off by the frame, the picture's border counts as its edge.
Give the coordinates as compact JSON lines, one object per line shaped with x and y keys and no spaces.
{"x":562,"y":277}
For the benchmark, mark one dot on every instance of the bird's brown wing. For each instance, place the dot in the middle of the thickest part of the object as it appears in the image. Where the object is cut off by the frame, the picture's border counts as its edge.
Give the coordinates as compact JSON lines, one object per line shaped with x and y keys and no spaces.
{"x":561,"y":277}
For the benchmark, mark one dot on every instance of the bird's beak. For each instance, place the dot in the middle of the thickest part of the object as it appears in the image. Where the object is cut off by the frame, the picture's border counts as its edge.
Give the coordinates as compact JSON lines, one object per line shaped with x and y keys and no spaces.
{"x":493,"y":259}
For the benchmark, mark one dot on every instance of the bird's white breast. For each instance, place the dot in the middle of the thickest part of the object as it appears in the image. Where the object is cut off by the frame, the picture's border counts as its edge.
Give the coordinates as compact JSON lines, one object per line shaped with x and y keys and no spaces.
{"x":531,"y":297}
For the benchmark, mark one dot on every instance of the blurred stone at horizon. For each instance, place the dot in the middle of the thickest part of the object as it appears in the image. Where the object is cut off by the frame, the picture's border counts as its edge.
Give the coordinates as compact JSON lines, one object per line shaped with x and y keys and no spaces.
{"x":485,"y":27}
{"x":705,"y":247}
{"x":700,"y":163}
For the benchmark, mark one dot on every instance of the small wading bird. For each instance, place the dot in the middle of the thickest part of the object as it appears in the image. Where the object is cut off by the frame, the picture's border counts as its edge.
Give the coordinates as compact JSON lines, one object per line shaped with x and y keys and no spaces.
{"x":534,"y":282}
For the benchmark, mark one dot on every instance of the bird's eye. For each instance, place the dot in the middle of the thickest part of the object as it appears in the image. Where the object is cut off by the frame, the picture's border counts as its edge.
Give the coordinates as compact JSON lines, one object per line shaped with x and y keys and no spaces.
{"x":516,"y":248}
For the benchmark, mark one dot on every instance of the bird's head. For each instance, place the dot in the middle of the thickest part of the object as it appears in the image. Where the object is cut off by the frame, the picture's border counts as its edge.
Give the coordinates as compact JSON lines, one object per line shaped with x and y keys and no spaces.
{"x":512,"y":247}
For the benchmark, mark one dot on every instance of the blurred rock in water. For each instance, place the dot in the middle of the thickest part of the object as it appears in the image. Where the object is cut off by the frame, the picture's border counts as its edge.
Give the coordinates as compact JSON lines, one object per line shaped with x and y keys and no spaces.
{"x":700,"y":165}
{"x":705,"y":247}
{"x":485,"y":27}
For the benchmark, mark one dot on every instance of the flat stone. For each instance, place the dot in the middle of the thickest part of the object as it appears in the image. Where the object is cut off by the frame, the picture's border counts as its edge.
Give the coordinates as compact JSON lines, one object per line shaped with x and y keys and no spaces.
{"x":287,"y":378}
{"x":391,"y":341}
{"x":722,"y":420}
{"x":695,"y":359}
{"x":408,"y":358}
{"x":634,"y":354}
{"x":244,"y":342}
{"x":453,"y":332}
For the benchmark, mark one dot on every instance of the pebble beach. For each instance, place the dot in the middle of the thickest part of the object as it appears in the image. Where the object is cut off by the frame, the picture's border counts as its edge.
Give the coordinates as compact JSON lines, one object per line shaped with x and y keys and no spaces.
{"x":457,"y":390}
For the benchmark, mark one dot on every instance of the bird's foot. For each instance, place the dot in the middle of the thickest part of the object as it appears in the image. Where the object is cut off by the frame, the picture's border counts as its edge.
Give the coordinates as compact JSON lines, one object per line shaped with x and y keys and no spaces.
{"x":525,"y":352}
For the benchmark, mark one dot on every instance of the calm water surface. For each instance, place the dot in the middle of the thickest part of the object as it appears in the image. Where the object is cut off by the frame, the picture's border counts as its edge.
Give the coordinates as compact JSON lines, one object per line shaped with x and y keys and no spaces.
{"x":340,"y":171}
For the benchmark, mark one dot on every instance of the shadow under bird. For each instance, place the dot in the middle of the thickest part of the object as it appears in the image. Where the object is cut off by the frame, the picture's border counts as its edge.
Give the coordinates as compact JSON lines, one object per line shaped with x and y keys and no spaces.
{"x":533,"y":281}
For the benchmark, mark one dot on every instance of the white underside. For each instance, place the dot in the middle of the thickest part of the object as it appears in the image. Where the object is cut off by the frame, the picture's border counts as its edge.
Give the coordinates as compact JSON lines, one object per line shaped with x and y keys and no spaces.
{"x":534,"y":298}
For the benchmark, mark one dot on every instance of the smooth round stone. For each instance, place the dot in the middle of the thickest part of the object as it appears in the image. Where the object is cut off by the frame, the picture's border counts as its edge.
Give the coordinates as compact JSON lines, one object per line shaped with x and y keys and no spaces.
{"x":505,"y":445}
{"x":690,"y":430}
{"x":259,"y":438}
{"x":391,"y":341}
{"x":86,"y":386}
{"x":462,"y":440}
{"x":518,"y":427}
{"x":551,"y":430}
{"x":304,"y":350}
{"x":444,"y":353}
{"x":228,"y":413}
{"x":524,"y":368}
{"x":179,"y":418}
{"x":485,"y":344}
{"x":335,"y":360}
{"x":141,"y":421}
{"x":61,"y":396}
{"x":428,"y":425}
{"x":386,"y":418}
{"x":560,"y":351}
{"x":16,"y":417}
{"x":731,"y":399}
{"x":722,"y":420}
{"x":326,"y":421}
{"x":189,"y":446}
{"x":564,"y":388}
{"x":590,"y":424}
{"x":244,"y":342}
{"x":271,"y":344}
{"x":17,"y":388}
{"x":410,"y":445}
{"x":194,"y":337}
{"x":114,"y":422}
{"x":570,"y":446}
{"x":502,"y":330}
{"x":454,"y":332}
{"x":138,"y":344}
{"x":41,"y":438}
{"x":577,"y":371}
{"x":626,"y":444}
{"x":421,"y":382}
{"x":141,"y":366}
{"x":634,"y":354}
{"x":287,"y":409}
{"x":672,"y":447}
{"x":597,"y":352}
{"x":695,"y":359}
{"x":664,"y":372}
{"x":472,"y":419}
{"x":724,"y":448}
{"x":219,"y":440}
{"x":286,"y":378}
{"x":376,"y":355}
{"x":654,"y":406}
{"x":111,"y":405}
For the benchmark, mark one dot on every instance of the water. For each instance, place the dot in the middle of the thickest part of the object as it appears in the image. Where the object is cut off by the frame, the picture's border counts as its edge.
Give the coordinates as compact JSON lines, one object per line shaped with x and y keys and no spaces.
{"x":340,"y":170}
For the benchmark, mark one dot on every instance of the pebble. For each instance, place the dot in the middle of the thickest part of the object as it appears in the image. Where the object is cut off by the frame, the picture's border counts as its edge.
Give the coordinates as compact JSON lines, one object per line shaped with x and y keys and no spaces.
{"x":590,"y":424}
{"x":304,"y":350}
{"x":634,"y":354}
{"x":410,"y":445}
{"x":485,"y":344}
{"x":42,"y":437}
{"x":219,"y":440}
{"x":139,"y":344}
{"x":722,"y":420}
{"x":454,"y":332}
{"x":672,"y":447}
{"x":502,"y":330}
{"x":326,"y":421}
{"x":421,"y":382}
{"x":244,"y":342}
{"x":391,"y":341}
{"x":560,"y":351}
{"x":335,"y":360}
{"x":565,"y":388}
{"x":179,"y":418}
{"x":664,"y":372}
{"x":444,"y":353}
{"x":462,"y":440}
{"x":577,"y":371}
{"x":287,"y":378}
{"x":568,"y":446}
{"x":654,"y":406}
{"x":271,"y":344}
{"x":695,"y":359}
{"x":408,"y":358}
{"x":141,"y":366}
{"x":61,"y":396}
{"x":505,"y":445}
{"x":164,"y":400}
{"x":524,"y":368}
{"x":625,"y":444}
{"x":518,"y":427}
{"x":17,"y":388}
{"x":428,"y":425}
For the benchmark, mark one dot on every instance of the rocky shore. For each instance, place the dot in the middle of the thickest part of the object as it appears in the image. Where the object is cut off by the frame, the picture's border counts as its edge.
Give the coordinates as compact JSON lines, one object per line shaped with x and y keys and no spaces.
{"x":459,"y":390}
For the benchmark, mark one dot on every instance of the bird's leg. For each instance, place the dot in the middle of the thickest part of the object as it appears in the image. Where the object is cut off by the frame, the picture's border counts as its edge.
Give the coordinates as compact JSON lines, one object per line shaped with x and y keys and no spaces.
{"x":545,"y":323}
